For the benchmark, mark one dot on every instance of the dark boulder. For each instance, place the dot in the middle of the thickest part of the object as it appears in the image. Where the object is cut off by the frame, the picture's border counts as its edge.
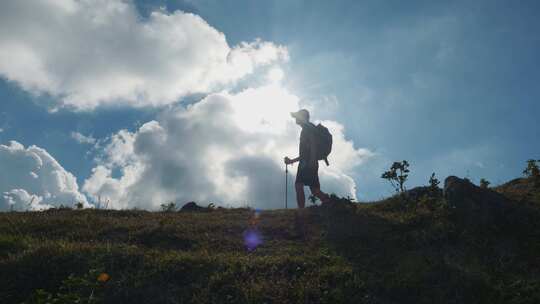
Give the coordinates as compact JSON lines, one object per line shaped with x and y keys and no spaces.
{"x":472,"y":204}
{"x":192,"y":206}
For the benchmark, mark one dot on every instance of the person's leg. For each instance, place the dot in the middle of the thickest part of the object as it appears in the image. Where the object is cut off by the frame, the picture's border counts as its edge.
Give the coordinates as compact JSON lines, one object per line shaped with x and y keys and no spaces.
{"x":319,"y":194}
{"x":315,"y":187}
{"x":300,"y":215}
{"x":300,"y":196}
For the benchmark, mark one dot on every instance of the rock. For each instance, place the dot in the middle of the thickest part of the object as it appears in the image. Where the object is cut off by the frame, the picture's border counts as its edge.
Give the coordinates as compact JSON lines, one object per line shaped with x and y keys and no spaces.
{"x":473,"y":205}
{"x":192,"y":206}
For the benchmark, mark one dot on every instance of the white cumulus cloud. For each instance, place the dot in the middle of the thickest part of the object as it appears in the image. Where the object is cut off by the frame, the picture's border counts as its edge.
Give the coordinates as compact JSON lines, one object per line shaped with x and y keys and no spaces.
{"x":32,"y":179}
{"x":91,"y":53}
{"x":227,"y":149}
{"x":83,"y":139}
{"x":20,"y":200}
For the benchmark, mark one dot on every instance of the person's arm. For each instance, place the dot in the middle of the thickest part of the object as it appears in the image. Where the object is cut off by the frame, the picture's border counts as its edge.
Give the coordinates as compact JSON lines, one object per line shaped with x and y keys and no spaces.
{"x":289,"y":161}
{"x":302,"y":150}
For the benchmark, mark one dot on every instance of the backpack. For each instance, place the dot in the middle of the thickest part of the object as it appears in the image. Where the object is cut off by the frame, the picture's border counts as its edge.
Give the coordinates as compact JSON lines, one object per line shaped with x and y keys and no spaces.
{"x":323,"y":142}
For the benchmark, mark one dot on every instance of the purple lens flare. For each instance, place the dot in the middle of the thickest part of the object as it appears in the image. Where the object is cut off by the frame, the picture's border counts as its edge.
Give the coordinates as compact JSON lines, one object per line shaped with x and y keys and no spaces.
{"x":252,"y":236}
{"x":252,"y":239}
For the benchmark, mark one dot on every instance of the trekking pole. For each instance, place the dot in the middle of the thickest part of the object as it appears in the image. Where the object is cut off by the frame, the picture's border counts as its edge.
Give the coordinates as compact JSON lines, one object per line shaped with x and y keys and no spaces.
{"x":286,"y":184}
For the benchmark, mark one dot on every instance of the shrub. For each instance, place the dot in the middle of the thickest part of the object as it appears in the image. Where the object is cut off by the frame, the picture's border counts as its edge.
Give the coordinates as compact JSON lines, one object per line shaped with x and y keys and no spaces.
{"x":170,"y":207}
{"x":433,"y":182}
{"x":484,"y":183}
{"x":532,"y":170}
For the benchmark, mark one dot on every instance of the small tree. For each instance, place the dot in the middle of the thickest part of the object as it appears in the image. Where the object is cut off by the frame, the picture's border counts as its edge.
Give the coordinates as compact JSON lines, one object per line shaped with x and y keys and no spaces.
{"x":484,"y":183}
{"x":532,"y":170}
{"x":433,"y":182}
{"x":397,"y":175}
{"x":79,"y":205}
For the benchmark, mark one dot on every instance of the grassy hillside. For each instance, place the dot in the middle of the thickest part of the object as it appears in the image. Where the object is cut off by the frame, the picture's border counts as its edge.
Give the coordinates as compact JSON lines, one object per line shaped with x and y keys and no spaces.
{"x":394,"y":251}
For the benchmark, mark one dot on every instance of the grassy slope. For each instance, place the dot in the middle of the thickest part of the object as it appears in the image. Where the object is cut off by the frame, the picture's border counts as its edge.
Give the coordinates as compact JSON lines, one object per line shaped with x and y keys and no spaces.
{"x":386,"y":252}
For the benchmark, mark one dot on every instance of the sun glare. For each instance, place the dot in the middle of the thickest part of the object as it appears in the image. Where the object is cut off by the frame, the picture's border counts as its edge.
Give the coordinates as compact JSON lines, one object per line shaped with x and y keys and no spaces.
{"x":264,"y":109}
{"x":275,"y":75}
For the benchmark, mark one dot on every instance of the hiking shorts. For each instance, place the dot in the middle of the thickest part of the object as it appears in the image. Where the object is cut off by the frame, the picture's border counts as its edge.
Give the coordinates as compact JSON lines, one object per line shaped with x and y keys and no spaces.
{"x":308,"y":175}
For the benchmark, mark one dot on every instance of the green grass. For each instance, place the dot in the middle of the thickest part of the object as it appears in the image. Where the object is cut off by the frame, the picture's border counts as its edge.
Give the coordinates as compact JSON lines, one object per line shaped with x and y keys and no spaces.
{"x":386,"y":252}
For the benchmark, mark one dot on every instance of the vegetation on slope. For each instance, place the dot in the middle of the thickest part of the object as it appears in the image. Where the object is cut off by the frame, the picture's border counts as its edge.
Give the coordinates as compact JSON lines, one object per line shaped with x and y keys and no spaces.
{"x":400,"y":250}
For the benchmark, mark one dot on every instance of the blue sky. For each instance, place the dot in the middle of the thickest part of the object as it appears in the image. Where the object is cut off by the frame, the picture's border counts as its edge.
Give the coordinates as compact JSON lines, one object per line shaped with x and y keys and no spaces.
{"x":452,"y":87}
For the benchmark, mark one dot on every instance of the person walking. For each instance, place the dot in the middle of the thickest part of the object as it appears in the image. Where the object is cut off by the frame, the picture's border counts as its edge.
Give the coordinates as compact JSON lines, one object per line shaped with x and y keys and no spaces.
{"x":308,"y":167}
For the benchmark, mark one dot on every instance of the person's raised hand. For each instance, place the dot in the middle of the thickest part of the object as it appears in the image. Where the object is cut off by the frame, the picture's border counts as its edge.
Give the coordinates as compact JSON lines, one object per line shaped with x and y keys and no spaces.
{"x":287,"y":160}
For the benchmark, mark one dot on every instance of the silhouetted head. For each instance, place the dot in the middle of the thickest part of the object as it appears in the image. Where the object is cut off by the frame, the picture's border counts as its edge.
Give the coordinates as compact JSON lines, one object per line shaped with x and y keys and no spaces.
{"x":301,"y":116}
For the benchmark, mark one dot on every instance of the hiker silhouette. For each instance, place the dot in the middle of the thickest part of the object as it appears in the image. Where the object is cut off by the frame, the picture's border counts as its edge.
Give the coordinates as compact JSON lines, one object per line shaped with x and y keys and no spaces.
{"x":308,"y":167}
